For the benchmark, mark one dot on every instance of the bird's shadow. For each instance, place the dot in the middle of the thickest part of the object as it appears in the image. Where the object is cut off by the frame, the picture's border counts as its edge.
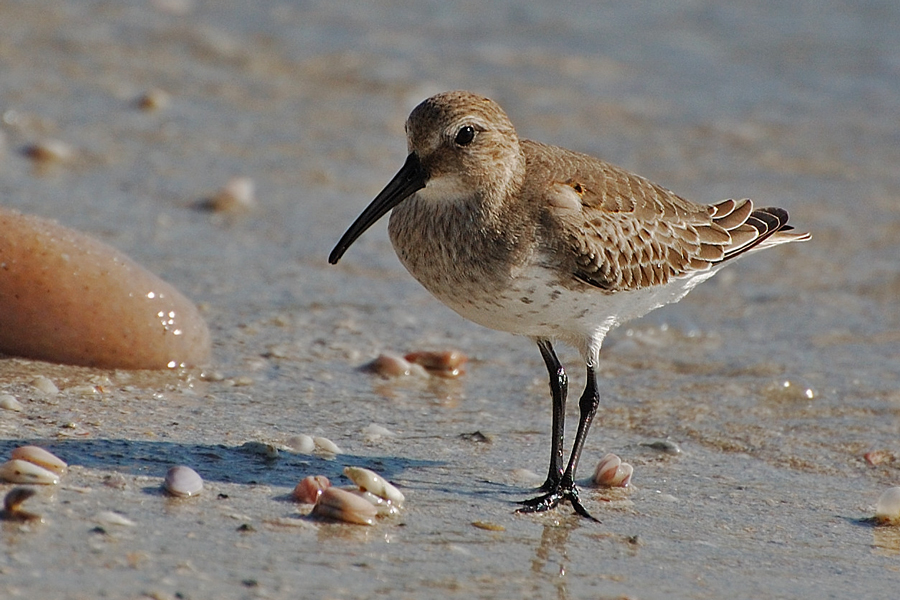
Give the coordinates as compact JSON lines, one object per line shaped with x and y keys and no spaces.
{"x":214,"y":462}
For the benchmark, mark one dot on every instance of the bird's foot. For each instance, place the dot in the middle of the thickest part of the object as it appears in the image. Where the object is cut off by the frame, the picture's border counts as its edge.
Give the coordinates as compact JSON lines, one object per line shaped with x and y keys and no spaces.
{"x":553,"y":497}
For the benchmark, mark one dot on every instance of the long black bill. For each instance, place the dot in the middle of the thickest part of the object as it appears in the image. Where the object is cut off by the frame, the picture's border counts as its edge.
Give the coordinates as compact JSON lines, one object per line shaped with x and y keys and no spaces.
{"x":409,"y":179}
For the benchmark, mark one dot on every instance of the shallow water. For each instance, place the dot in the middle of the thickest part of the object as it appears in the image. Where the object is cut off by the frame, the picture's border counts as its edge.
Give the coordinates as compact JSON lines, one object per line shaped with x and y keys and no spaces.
{"x":792,"y":104}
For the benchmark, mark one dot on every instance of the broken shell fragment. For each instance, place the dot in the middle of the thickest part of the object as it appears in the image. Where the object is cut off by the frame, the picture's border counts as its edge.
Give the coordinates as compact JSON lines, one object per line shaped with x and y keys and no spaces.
{"x":40,"y":457}
{"x":22,"y":471}
{"x":450,"y":363}
{"x":341,"y":505}
{"x":371,"y":481}
{"x":12,"y":505}
{"x":310,"y":488}
{"x":183,"y":482}
{"x":887,"y":509}
{"x":612,"y":472}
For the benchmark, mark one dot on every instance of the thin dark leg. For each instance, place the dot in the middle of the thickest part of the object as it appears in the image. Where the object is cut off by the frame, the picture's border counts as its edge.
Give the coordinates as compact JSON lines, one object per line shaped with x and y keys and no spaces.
{"x":559,"y":385}
{"x":565,"y":489}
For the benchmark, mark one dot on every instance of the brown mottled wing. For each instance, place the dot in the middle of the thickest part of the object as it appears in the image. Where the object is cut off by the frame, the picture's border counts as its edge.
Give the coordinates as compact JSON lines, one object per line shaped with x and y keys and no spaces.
{"x":618,"y":231}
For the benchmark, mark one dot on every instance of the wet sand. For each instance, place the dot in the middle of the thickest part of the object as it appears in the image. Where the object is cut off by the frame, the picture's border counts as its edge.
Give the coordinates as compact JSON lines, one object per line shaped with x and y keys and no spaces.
{"x":793,"y":105}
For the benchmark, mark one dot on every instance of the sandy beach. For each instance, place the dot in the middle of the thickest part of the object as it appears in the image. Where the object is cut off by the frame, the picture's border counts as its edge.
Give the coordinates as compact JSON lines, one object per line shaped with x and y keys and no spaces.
{"x":775,"y":378}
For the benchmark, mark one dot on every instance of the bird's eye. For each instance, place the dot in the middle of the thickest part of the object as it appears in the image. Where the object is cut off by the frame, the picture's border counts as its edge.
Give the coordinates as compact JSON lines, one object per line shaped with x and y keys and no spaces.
{"x":465,"y":135}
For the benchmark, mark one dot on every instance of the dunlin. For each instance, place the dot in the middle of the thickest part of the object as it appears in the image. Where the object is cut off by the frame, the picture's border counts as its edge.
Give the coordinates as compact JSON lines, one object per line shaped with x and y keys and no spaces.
{"x":548,"y":243}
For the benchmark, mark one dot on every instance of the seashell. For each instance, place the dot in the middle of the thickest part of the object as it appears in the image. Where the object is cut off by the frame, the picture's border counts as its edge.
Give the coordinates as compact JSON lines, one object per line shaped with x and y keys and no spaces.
{"x":50,"y":150}
{"x":326,"y":446}
{"x":237,"y":196}
{"x":388,"y":364}
{"x":45,"y":385}
{"x":261,"y":448}
{"x":383,"y":506}
{"x":12,"y":505}
{"x":335,"y":503}
{"x":666,"y":446}
{"x":66,"y":297}
{"x":449,"y":363}
{"x":612,"y":472}
{"x":40,"y":457}
{"x":887,"y":509}
{"x":302,"y":443}
{"x":876,"y":457}
{"x":153,"y":99}
{"x":9,"y":402}
{"x":374,"y":432}
{"x":310,"y":488}
{"x":183,"y":482}
{"x":371,"y":481}
{"x":22,"y":471}
{"x":113,"y":518}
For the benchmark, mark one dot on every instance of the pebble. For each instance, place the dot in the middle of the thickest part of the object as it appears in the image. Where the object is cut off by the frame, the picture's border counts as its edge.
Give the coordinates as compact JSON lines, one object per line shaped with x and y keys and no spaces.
{"x":9,"y":402}
{"x":887,"y":509}
{"x":183,"y":482}
{"x":66,"y":297}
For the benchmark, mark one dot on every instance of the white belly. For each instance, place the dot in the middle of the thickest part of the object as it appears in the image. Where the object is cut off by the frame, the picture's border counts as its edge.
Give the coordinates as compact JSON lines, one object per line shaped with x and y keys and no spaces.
{"x":536,"y":305}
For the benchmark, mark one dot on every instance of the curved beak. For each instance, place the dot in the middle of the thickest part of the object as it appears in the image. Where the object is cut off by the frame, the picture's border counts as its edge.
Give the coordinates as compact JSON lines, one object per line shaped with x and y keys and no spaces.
{"x":409,"y":179}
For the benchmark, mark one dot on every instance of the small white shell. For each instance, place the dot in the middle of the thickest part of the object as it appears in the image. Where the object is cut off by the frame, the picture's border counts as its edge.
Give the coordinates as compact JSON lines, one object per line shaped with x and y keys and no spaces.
{"x":45,"y":385}
{"x":384,"y":507}
{"x":238,"y":195}
{"x":887,"y":509}
{"x":371,"y":481}
{"x":326,"y":446}
{"x":183,"y":482}
{"x":612,"y":472}
{"x":342,"y":505}
{"x":22,"y":471}
{"x":9,"y":402}
{"x":113,"y":518}
{"x":302,"y":443}
{"x":40,"y":457}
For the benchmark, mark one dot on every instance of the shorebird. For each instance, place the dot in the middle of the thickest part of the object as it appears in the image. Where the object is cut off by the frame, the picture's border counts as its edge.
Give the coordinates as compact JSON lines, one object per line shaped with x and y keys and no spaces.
{"x":548,"y":243}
